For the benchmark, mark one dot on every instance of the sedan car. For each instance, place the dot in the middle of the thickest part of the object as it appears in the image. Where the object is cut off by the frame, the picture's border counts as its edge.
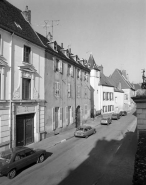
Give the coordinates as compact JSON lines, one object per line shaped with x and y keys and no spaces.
{"x":115,"y":116}
{"x":18,"y":158}
{"x":123,"y":113}
{"x":105,"y":121}
{"x":84,"y":131}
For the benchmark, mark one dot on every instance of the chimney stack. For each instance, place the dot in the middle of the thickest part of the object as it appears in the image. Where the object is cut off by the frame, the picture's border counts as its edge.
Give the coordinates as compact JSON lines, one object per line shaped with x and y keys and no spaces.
{"x":69,"y":50}
{"x":100,"y":68}
{"x":124,"y":73}
{"x":62,"y":45}
{"x":27,"y":14}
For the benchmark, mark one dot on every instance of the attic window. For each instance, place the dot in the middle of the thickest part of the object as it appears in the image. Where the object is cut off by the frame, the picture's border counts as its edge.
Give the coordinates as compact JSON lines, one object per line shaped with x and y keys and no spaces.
{"x":18,"y":26}
{"x":55,"y":46}
{"x":67,"y":53}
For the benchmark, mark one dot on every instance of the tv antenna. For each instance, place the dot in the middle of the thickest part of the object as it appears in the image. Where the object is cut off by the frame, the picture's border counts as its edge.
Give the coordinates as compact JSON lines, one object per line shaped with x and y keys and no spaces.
{"x":50,"y":23}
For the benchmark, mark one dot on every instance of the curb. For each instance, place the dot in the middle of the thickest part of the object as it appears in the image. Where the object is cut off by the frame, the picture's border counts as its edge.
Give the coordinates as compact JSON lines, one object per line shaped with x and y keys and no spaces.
{"x":63,"y":140}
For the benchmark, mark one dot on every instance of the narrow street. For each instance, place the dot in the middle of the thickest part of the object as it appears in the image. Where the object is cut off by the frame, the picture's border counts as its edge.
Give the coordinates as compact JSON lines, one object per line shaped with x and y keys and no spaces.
{"x":105,"y":158}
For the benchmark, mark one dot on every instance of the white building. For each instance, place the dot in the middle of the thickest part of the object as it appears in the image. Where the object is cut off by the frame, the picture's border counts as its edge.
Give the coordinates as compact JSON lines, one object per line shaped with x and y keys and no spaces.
{"x":22,"y":65}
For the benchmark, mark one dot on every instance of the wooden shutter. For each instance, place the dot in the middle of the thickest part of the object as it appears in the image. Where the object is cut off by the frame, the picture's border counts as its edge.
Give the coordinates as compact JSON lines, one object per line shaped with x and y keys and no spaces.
{"x":61,"y":116}
{"x":55,"y":88}
{"x":103,"y":95}
{"x":72,"y":114}
{"x":59,"y":90}
{"x":66,"y":115}
{"x":60,"y":66}
{"x":72,"y":71}
{"x":54,"y":64}
{"x":53,"y":118}
{"x":69,"y":90}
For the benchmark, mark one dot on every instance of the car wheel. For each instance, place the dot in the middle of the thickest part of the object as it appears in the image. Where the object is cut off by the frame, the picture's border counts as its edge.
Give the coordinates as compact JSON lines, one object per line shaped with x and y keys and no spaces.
{"x":41,"y":158}
{"x":12,"y":174}
{"x":86,"y":136}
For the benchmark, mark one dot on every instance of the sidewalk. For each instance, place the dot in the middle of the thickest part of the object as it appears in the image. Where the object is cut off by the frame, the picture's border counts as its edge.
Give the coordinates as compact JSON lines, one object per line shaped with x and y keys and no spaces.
{"x":63,"y":136}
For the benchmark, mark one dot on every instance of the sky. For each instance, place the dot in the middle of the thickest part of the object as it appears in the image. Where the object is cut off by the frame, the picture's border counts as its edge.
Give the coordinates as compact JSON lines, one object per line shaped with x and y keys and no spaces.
{"x":114,"y":31}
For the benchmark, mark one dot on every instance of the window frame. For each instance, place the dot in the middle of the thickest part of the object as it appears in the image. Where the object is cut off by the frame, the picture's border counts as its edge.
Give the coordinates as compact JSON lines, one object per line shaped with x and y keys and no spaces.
{"x":25,"y":53}
{"x":69,"y":90}
{"x":57,"y":89}
{"x":26,"y":96}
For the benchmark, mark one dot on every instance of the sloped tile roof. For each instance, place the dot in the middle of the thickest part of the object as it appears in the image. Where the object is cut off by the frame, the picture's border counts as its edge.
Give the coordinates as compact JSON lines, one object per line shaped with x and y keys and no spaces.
{"x":59,"y":53}
{"x":137,"y":86}
{"x":104,"y":80}
{"x":12,"y":20}
{"x":116,"y":89}
{"x":92,"y":63}
{"x":118,"y":77}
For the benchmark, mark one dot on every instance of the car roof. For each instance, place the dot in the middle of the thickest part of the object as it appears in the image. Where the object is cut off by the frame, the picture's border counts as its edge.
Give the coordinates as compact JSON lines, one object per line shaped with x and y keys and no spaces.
{"x":85,"y":126}
{"x":14,"y":150}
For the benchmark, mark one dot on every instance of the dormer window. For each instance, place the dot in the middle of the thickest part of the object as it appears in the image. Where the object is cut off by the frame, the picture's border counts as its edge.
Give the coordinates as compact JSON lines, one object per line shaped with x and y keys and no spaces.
{"x":27,"y":51}
{"x":67,"y":53}
{"x":53,"y":45}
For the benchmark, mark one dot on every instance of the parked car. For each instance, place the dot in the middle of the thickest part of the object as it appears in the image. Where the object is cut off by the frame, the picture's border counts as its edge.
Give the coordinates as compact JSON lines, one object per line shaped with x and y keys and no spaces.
{"x":105,"y":121}
{"x":18,"y":158}
{"x":123,"y":113}
{"x":115,"y":116}
{"x":84,"y":131}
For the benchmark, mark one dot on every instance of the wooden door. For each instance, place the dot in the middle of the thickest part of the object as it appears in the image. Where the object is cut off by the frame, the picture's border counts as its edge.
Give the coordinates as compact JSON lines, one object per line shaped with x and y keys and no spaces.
{"x":29,"y":129}
{"x":78,"y":116}
{"x":56,"y":117}
{"x":24,"y":129}
{"x":20,"y":131}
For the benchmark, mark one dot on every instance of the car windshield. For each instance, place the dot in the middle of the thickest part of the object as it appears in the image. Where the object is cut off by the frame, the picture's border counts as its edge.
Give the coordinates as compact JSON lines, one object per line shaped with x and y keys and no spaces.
{"x":82,"y":129}
{"x":6,"y":157}
{"x":104,"y":118}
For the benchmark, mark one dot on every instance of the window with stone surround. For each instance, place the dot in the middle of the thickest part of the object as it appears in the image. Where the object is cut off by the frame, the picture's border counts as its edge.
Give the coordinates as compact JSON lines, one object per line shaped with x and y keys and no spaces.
{"x":26,"y":89}
{"x":0,"y":44}
{"x":26,"y":57}
{"x":3,"y":65}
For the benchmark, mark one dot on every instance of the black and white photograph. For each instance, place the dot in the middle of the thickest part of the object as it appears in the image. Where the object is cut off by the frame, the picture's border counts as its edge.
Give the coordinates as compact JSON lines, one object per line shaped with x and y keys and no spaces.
{"x":72,"y":92}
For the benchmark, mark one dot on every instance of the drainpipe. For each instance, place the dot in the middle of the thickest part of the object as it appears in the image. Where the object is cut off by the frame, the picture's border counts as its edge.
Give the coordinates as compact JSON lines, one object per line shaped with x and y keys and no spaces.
{"x":75,"y":101}
{"x":10,"y":88}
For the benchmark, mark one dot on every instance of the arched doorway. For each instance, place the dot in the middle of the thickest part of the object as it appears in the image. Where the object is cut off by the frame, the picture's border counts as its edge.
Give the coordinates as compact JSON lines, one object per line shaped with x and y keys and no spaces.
{"x":78,"y":115}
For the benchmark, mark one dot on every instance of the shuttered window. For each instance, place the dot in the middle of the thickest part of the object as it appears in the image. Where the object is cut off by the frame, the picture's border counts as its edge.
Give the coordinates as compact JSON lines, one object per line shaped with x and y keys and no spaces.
{"x":57,"y":89}
{"x":27,"y":51}
{"x":78,"y":91}
{"x":26,"y":89}
{"x":69,"y":90}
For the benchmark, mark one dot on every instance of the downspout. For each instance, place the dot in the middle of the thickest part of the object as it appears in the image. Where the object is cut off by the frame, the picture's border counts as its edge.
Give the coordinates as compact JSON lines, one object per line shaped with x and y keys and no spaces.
{"x":10,"y":88}
{"x":75,"y":101}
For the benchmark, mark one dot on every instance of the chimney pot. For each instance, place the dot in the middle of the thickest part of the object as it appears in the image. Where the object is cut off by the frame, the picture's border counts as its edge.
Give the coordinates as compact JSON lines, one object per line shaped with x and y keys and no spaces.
{"x":62,"y":45}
